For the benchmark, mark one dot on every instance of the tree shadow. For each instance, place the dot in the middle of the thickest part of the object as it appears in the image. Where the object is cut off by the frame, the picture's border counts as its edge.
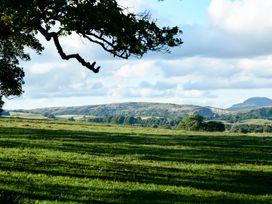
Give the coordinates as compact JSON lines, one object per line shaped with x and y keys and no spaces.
{"x":189,"y":149}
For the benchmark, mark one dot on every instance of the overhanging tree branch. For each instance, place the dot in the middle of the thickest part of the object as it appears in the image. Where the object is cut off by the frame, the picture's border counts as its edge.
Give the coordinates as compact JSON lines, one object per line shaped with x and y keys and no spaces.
{"x":49,"y":35}
{"x":102,"y":22}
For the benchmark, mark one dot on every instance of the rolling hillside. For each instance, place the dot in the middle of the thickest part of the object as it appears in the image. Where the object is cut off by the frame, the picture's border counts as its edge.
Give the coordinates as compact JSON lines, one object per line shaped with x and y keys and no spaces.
{"x":132,"y":109}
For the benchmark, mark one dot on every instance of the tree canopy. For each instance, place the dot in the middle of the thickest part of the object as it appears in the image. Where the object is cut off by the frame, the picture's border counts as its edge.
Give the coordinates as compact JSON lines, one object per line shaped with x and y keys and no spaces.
{"x":103,"y":22}
{"x":192,"y":123}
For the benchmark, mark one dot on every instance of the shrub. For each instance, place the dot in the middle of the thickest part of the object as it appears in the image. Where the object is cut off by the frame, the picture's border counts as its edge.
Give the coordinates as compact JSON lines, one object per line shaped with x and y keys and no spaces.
{"x":214,"y":126}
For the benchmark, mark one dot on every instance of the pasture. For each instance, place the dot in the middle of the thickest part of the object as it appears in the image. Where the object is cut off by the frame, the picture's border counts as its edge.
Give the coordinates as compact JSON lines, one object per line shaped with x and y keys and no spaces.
{"x":43,"y":161}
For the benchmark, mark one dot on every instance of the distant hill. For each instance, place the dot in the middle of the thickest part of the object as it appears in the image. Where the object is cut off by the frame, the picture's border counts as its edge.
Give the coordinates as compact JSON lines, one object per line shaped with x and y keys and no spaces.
{"x":261,"y":113}
{"x":132,"y":109}
{"x":264,"y":113}
{"x":251,"y":104}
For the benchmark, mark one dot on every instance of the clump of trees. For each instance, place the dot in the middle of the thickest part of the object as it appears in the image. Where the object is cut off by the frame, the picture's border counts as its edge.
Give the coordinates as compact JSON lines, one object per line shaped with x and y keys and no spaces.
{"x":49,"y":115}
{"x":261,"y":113}
{"x":214,"y":126}
{"x":250,"y":128}
{"x":196,"y":123}
{"x":71,"y":119}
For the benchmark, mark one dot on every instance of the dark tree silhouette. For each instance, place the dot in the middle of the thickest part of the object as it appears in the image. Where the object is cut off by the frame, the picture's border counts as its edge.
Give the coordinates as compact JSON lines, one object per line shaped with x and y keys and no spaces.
{"x":103,"y":22}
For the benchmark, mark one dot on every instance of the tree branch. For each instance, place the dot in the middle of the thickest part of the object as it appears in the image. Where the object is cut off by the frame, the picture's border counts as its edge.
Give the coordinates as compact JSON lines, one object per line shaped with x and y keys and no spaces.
{"x":49,"y":35}
{"x":106,"y":45}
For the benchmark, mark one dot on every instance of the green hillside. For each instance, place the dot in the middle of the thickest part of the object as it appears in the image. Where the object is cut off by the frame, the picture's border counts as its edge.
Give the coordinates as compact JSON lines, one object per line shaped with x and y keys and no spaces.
{"x":132,"y":109}
{"x":43,"y":161}
{"x":261,"y":113}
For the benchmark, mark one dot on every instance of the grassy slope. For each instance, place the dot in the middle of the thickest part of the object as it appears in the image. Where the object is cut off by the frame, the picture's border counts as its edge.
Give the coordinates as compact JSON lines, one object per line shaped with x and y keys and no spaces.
{"x":26,"y":115}
{"x":256,"y":122}
{"x":61,"y":162}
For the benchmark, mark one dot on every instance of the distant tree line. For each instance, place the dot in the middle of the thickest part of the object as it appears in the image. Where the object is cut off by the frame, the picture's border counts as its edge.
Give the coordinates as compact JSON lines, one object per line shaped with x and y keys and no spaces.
{"x":250,"y":128}
{"x":4,"y":113}
{"x":153,"y":122}
{"x":262,"y":113}
{"x":192,"y":123}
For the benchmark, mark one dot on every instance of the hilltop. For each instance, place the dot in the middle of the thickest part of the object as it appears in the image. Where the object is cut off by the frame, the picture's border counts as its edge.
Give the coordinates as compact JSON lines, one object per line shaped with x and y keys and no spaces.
{"x":133,"y":109}
{"x":252,"y":103}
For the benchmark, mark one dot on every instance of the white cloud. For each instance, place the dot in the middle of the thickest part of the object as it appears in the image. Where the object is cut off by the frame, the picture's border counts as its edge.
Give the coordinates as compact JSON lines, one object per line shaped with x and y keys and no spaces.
{"x":242,"y":16}
{"x":41,"y":68}
{"x":199,"y":66}
{"x":136,"y":69}
{"x":213,"y":74}
{"x":74,"y":42}
{"x":258,"y":67}
{"x":132,"y":5}
{"x":194,"y":94}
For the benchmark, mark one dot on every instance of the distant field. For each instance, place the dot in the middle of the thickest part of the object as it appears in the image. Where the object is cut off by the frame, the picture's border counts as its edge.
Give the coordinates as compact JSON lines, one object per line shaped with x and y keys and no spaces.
{"x":76,"y":117}
{"x":43,"y":161}
{"x":26,"y":115}
{"x":257,"y":122}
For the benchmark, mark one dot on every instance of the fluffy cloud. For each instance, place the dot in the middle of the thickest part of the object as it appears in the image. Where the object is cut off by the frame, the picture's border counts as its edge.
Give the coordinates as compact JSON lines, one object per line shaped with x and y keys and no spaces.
{"x":199,"y":66}
{"x":242,"y":16}
{"x":194,"y":94}
{"x":190,"y":78}
{"x":132,"y":5}
{"x":212,"y":73}
{"x":136,"y":69}
{"x":42,"y":68}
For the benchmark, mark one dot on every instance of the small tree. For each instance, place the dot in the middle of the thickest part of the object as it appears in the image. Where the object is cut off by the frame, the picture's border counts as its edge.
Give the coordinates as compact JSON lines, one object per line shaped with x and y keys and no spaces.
{"x":49,"y":115}
{"x":71,"y":119}
{"x":192,"y":123}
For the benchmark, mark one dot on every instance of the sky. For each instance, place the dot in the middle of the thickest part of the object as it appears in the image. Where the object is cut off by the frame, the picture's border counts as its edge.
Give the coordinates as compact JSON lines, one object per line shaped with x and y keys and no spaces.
{"x":226,"y":58}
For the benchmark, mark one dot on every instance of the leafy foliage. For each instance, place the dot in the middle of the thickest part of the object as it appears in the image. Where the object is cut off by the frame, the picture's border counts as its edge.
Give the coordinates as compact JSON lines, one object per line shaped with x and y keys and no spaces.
{"x":214,"y":126}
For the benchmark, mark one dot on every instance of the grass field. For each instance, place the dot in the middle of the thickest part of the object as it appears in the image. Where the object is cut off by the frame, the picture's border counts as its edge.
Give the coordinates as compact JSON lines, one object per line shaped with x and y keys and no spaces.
{"x":26,"y":115}
{"x":44,"y":161}
{"x":256,"y":122}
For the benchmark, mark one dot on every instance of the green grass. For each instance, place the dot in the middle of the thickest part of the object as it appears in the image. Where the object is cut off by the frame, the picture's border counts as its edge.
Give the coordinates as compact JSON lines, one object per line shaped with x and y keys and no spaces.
{"x":256,"y":122}
{"x":43,"y":161}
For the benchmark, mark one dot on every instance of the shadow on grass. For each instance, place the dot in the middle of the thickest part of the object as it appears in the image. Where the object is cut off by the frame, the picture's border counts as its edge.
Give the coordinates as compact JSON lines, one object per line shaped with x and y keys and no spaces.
{"x":102,"y":195}
{"x":191,"y":149}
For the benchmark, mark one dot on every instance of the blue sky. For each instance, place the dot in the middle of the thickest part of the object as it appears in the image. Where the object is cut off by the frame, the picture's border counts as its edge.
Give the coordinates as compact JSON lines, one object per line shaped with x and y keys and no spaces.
{"x":226,"y":58}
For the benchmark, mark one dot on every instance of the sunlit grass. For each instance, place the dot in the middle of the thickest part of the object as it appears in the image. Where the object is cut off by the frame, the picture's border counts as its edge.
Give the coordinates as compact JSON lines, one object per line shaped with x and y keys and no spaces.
{"x":44,"y":161}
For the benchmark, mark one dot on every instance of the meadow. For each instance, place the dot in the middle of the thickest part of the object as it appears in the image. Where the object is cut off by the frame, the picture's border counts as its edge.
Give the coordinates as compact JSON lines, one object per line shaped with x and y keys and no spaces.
{"x":44,"y":161}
